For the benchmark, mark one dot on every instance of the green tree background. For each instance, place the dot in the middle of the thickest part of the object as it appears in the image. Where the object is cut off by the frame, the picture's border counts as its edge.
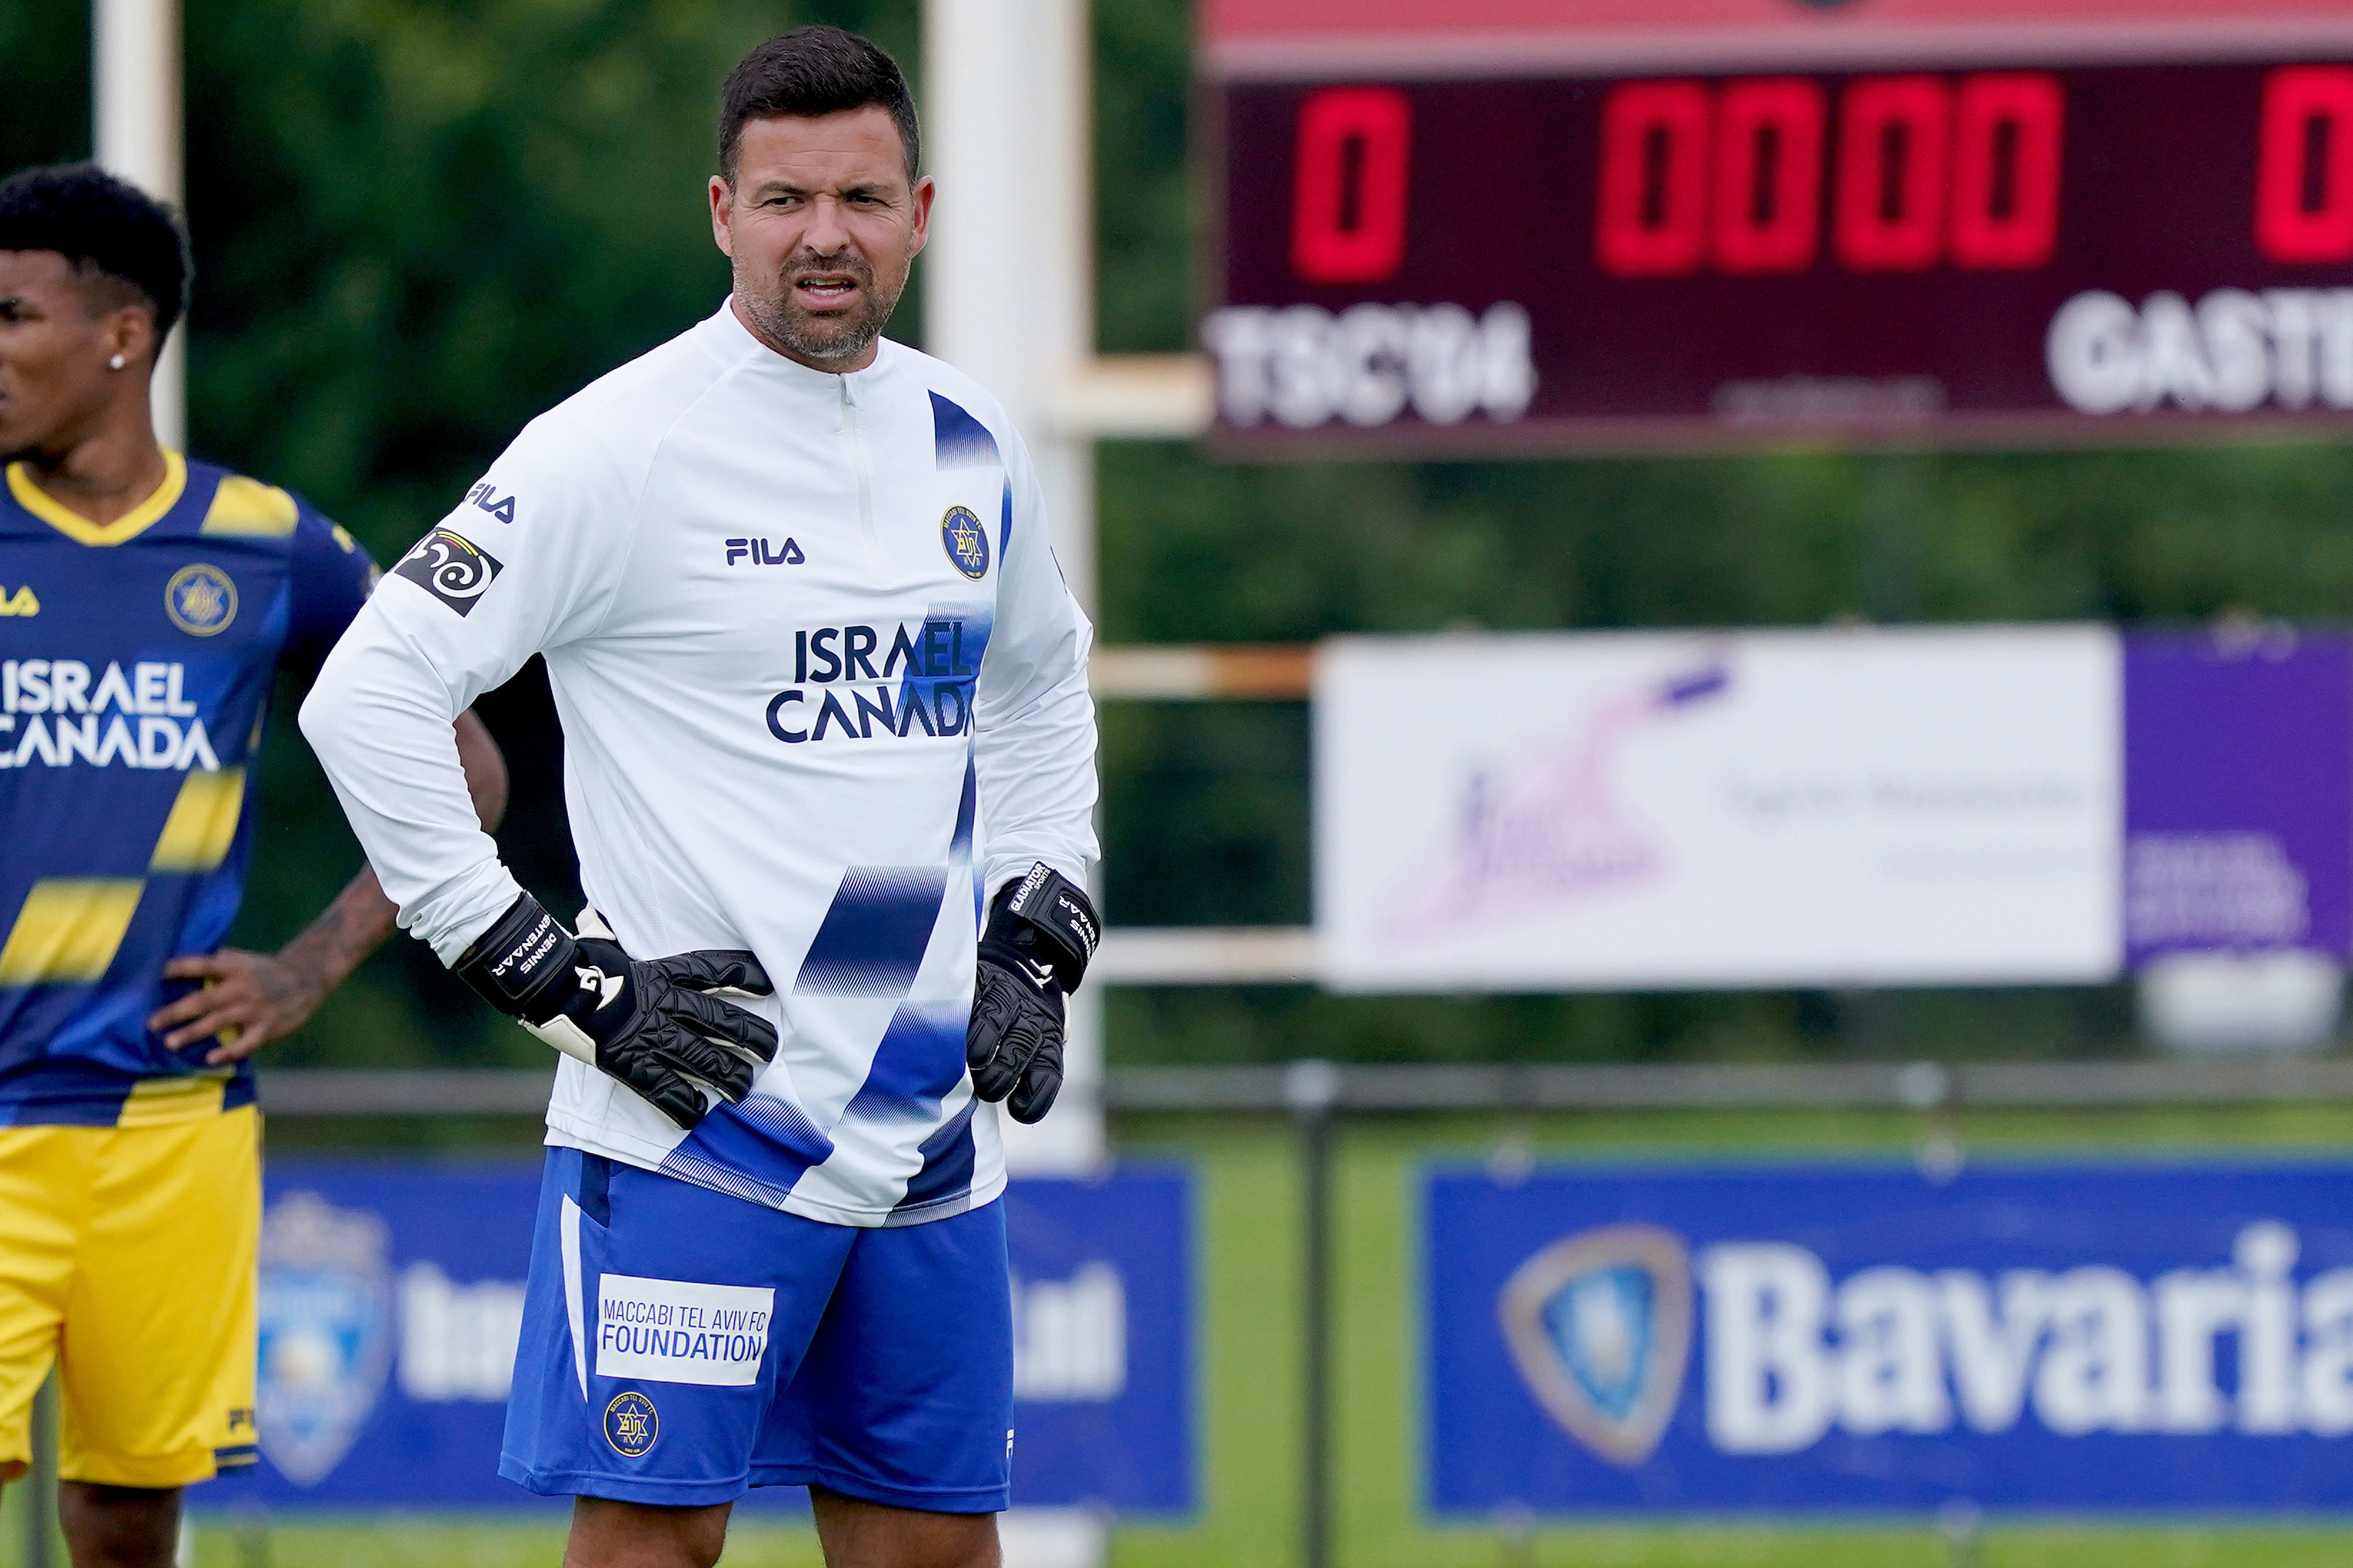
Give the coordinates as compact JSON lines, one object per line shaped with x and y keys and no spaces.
{"x":419,"y":222}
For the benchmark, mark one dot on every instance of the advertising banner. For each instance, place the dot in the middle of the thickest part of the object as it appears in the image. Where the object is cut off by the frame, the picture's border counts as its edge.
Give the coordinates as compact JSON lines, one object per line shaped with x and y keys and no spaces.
{"x":392,"y":1297}
{"x":1866,"y":1337}
{"x":1983,"y":805}
{"x":2238,"y":791}
{"x":1673,"y":809}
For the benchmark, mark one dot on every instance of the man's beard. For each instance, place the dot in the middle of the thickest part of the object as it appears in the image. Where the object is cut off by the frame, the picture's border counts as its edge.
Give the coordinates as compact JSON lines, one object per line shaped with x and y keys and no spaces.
{"x":784,"y":321}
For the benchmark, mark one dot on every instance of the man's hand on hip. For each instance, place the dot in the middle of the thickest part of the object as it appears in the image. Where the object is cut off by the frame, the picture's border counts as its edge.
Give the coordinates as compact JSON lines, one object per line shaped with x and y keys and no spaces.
{"x":1041,"y":932}
{"x":650,"y":1023}
{"x":246,"y":1000}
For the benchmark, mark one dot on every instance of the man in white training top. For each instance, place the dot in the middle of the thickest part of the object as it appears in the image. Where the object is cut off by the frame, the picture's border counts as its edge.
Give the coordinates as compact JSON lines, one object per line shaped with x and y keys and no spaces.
{"x":828,"y":747}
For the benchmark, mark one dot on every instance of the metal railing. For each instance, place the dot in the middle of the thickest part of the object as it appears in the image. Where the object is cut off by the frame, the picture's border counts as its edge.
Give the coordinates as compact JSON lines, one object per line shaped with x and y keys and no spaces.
{"x":1374,"y":1089}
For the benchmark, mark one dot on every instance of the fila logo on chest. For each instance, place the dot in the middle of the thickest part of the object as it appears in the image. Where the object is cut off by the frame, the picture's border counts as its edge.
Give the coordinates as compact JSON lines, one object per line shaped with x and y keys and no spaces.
{"x":20,"y":603}
{"x":760,"y":553}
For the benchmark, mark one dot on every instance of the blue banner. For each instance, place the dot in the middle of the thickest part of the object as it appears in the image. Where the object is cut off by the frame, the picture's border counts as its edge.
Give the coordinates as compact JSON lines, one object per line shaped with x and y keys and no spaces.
{"x":392,"y":1296}
{"x":1103,"y":1361}
{"x":1868,"y":1338}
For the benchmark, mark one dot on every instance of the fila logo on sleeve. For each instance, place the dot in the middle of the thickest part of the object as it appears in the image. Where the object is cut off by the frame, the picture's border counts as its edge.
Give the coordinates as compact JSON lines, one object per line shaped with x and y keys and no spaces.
{"x":490,"y":501}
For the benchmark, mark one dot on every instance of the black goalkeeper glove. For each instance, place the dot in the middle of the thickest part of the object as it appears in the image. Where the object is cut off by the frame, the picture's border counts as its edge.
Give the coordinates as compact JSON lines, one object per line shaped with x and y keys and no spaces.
{"x":647,"y":1022}
{"x":1041,"y":931}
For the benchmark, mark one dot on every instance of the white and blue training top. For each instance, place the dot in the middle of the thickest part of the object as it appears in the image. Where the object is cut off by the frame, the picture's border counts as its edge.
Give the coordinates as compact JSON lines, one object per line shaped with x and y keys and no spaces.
{"x":822,"y":689}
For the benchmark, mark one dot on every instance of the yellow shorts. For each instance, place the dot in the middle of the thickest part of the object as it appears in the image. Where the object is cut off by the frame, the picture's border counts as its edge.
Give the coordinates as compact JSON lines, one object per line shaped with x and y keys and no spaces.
{"x":127,"y":1254}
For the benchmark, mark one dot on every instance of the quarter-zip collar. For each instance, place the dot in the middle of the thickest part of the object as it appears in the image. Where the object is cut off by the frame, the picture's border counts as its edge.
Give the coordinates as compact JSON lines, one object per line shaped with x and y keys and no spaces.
{"x":734,"y":342}
{"x":847,"y":402}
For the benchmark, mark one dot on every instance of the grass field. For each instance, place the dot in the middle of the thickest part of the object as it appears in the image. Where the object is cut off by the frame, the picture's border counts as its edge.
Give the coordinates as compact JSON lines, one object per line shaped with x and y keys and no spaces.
{"x":461,"y":1545}
{"x":1249,"y":1348}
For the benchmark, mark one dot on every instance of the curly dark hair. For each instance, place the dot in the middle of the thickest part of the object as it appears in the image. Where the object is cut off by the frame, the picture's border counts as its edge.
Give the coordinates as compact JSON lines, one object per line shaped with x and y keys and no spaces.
{"x":815,"y":70}
{"x":107,"y":227}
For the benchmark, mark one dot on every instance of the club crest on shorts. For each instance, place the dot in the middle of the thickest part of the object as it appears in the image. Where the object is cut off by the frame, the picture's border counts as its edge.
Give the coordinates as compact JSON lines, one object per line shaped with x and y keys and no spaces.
{"x":326,"y":1332}
{"x":631,"y":1424}
{"x":451,"y":567}
{"x":965,"y":542}
{"x":200,"y":599}
{"x":1600,"y":1324}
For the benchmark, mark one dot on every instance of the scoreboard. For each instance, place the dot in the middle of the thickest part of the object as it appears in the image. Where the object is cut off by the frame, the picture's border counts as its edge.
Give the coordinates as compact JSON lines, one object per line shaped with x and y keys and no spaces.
{"x":1499,"y":225}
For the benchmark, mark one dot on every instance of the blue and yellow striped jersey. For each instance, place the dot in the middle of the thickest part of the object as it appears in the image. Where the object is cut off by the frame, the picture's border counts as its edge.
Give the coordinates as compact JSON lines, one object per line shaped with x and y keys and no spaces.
{"x":136,"y":660}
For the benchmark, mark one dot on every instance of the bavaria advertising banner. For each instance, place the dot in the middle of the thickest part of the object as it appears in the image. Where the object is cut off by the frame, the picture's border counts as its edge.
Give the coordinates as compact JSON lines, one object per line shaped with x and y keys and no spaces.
{"x":392,"y":1296}
{"x":1864,"y":1337}
{"x":1980,"y":804}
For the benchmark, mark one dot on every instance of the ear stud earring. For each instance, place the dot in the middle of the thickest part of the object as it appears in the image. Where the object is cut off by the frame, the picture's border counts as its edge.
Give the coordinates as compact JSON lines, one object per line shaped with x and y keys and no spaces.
{"x":116,"y":362}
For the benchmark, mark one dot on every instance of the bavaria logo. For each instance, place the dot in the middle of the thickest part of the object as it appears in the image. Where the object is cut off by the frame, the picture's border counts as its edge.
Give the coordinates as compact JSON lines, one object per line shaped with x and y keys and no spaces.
{"x":326,"y":1332}
{"x":1600,"y":1324}
{"x":965,"y":542}
{"x":631,"y":1424}
{"x":200,"y":599}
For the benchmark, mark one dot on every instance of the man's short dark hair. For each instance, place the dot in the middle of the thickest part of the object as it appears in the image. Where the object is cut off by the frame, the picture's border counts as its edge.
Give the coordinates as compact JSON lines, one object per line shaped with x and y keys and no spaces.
{"x":810,"y":71}
{"x":107,"y":228}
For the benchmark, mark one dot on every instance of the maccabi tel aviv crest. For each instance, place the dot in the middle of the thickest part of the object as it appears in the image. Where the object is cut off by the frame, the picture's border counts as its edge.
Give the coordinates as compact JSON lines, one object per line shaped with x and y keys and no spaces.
{"x":1600,"y":1324}
{"x":965,"y":542}
{"x":631,"y":1424}
{"x":200,"y":599}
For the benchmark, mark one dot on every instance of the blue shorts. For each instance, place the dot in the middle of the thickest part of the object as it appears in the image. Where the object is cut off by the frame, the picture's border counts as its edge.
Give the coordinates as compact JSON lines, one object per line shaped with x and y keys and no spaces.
{"x":680,"y":1346}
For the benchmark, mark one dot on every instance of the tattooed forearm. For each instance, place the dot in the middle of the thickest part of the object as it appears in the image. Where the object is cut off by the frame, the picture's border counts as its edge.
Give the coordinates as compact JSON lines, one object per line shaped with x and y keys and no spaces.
{"x":356,"y":923}
{"x":244,"y":1000}
{"x":343,"y":936}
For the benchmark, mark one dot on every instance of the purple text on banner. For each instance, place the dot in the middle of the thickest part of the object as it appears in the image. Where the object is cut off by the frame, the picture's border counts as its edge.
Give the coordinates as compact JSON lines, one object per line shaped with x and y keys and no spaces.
{"x":2238,"y":791}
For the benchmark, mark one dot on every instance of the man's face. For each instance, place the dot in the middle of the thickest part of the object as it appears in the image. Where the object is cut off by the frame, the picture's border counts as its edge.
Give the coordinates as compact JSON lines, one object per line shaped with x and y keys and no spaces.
{"x":822,"y":225}
{"x":54,"y":342}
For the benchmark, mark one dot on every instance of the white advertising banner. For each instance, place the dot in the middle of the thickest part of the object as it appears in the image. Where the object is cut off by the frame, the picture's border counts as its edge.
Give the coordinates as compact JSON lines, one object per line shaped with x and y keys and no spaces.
{"x":1625,"y":810}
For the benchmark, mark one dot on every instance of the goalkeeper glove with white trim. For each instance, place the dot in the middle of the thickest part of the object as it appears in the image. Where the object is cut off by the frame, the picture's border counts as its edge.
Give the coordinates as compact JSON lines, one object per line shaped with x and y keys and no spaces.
{"x":650,"y":1023}
{"x":1041,"y":931}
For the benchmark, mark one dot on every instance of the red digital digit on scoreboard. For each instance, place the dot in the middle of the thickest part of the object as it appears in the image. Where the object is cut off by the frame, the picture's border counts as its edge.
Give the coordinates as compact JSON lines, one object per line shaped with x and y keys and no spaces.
{"x":1926,"y":172}
{"x":2303,"y":171}
{"x":1654,"y":196}
{"x":1768,"y":175}
{"x":1347,"y":223}
{"x":2006,"y":146}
